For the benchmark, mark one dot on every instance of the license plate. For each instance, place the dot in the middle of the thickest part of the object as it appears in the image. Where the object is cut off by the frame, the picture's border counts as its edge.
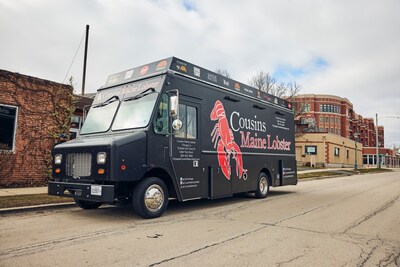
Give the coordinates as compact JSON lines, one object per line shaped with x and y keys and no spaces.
{"x":95,"y":190}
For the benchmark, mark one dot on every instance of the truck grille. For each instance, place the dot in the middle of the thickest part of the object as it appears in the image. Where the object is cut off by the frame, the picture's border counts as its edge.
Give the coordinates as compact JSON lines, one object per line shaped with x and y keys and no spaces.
{"x":79,"y":164}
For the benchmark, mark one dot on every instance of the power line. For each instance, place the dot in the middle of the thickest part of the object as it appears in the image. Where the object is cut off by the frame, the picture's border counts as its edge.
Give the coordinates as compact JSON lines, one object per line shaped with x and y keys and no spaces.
{"x":73,"y":60}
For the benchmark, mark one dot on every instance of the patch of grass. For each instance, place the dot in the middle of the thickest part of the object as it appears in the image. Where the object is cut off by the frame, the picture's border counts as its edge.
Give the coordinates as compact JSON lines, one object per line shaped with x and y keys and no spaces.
{"x":30,"y":200}
{"x":374,"y":170}
{"x":317,"y":174}
{"x":340,"y":173}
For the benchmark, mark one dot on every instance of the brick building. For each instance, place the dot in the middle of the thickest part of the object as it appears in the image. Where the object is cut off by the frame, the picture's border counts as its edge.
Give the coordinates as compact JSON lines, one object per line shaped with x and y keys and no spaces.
{"x":328,"y":150}
{"x":335,"y":115}
{"x":387,"y":157}
{"x":33,"y":113}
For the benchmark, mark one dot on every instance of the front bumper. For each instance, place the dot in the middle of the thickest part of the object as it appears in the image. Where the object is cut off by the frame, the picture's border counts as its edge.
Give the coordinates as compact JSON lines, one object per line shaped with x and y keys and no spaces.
{"x":89,"y":192}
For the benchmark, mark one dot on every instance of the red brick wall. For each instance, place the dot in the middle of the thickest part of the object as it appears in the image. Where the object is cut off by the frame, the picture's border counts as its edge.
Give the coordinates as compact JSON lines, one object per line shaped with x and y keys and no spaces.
{"x":41,"y":110}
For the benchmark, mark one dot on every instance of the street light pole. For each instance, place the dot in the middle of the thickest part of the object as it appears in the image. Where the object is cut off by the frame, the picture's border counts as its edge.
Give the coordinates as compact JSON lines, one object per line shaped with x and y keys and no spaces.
{"x":378,"y":165}
{"x":378,"y":162}
{"x":355,"y":151}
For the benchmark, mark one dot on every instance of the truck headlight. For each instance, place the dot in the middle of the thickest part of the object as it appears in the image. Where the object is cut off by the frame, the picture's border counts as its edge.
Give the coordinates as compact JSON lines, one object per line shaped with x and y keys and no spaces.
{"x":101,"y":157}
{"x":58,"y":159}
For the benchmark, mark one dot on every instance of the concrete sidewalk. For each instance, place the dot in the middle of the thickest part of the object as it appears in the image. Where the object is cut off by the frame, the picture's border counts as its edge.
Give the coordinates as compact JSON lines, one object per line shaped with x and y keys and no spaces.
{"x":7,"y":192}
{"x":22,"y":191}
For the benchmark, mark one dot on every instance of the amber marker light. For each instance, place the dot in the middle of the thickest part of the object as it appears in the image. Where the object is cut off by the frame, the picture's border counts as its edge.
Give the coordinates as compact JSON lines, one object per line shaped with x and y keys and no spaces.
{"x":57,"y":170}
{"x":101,"y":171}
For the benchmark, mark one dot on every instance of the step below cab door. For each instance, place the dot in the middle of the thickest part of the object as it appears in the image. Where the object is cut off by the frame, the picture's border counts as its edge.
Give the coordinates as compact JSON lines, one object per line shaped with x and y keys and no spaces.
{"x":186,"y":150}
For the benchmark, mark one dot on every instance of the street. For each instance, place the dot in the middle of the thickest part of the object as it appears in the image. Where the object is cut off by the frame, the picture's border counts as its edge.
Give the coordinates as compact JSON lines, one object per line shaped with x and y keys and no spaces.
{"x":346,"y":221}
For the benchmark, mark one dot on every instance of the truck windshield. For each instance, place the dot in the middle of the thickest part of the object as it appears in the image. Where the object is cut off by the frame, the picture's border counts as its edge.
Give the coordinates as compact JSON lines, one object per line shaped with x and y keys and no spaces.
{"x":100,"y":116}
{"x":135,"y":112}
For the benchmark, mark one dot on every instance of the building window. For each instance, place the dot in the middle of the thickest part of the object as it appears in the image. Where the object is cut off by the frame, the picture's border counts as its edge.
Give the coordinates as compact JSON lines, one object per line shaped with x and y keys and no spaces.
{"x":347,"y":154}
{"x":337,"y":150}
{"x":306,"y":107}
{"x":311,"y":150}
{"x":326,"y":119}
{"x":321,"y":129}
{"x":8,"y":127}
{"x":188,"y":115}
{"x":332,"y":120}
{"x":321,"y":119}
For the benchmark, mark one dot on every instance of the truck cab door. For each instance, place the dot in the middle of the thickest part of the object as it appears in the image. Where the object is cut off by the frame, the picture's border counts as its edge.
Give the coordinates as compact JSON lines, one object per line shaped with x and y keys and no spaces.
{"x":186,"y":150}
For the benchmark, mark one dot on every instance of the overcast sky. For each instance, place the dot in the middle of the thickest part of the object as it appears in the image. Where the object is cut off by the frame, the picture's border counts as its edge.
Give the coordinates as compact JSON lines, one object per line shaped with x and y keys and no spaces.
{"x":348,"y":48}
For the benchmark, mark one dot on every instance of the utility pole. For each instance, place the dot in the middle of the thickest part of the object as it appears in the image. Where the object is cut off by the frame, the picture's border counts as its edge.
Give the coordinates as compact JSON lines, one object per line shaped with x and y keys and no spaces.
{"x":84,"y":60}
{"x":378,"y":165}
{"x":355,"y":151}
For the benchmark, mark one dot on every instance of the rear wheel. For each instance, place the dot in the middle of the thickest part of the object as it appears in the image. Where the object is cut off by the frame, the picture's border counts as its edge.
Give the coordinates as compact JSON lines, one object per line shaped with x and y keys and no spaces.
{"x":262,"y":186}
{"x":87,"y":205}
{"x":150,"y":198}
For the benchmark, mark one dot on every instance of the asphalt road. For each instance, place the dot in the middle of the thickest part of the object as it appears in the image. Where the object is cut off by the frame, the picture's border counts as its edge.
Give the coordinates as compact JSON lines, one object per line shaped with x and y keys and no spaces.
{"x":348,"y":221}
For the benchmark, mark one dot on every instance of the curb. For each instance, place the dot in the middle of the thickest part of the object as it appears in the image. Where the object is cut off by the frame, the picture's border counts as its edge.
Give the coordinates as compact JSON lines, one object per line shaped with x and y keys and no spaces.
{"x":37,"y":208}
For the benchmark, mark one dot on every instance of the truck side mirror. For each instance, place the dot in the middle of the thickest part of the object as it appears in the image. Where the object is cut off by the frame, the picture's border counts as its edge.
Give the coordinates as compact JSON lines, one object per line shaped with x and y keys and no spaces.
{"x":177,"y":124}
{"x":174,"y":111}
{"x":174,"y":106}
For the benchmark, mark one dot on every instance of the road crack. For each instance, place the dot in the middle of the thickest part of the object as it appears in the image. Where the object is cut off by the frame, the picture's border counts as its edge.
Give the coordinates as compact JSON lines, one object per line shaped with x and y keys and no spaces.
{"x":209,"y":246}
{"x":62,"y":242}
{"x":371,"y":214}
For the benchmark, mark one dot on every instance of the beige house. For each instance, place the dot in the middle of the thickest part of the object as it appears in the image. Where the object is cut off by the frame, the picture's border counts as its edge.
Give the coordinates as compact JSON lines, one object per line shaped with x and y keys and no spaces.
{"x":329,"y":150}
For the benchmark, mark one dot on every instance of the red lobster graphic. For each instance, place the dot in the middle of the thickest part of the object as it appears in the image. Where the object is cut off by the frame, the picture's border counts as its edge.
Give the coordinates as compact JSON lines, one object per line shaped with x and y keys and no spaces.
{"x":223,"y":135}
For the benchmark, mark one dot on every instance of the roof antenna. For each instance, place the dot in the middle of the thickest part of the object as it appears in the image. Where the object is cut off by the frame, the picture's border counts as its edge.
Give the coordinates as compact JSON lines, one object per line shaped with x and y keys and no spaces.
{"x":84,"y":60}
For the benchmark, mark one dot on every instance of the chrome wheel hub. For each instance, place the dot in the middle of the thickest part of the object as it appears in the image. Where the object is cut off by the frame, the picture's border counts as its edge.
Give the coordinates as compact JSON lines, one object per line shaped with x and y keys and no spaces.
{"x":154,"y":198}
{"x":263,"y":185}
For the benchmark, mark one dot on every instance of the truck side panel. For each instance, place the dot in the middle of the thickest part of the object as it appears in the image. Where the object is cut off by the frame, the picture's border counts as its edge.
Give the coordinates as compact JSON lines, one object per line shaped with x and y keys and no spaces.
{"x":239,"y":138}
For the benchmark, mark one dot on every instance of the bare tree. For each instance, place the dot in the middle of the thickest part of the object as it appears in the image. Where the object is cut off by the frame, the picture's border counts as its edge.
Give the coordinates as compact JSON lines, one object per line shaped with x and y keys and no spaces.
{"x":266,"y":83}
{"x":263,"y":81}
{"x":223,"y":72}
{"x":292,"y":90}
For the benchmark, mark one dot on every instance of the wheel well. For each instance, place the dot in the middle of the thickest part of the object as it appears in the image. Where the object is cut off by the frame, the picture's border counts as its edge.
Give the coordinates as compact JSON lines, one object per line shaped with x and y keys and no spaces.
{"x":269,"y":176}
{"x":163,"y":175}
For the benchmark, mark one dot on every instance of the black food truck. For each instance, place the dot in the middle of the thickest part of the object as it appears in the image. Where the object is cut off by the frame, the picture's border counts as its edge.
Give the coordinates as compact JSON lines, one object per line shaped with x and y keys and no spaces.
{"x":171,"y":129}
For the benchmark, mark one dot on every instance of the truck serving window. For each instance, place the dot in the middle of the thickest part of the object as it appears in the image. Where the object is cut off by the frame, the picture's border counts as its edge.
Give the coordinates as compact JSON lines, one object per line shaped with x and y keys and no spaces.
{"x":188,"y":115}
{"x":100,"y":117}
{"x":135,"y":112}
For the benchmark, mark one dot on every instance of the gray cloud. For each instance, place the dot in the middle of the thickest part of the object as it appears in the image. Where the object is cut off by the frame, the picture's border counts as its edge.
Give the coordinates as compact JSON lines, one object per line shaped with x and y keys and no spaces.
{"x":356,"y":41}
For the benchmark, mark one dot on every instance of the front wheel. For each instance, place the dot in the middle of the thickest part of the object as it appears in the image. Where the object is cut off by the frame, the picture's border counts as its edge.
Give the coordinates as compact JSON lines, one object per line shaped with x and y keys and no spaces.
{"x":87,"y":205}
{"x":262,"y":186}
{"x":150,"y":198}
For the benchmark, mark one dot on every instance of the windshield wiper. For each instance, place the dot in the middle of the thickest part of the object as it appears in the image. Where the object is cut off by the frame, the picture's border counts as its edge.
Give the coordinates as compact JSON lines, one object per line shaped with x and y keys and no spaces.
{"x":108,"y":101}
{"x":142,"y":94}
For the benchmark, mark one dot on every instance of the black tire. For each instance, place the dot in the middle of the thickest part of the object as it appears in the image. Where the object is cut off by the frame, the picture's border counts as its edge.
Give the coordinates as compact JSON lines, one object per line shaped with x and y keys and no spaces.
{"x":150,"y":198}
{"x":262,"y":186}
{"x":87,"y":205}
